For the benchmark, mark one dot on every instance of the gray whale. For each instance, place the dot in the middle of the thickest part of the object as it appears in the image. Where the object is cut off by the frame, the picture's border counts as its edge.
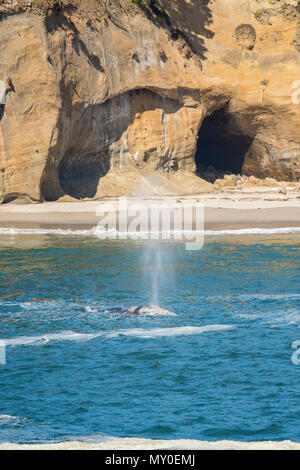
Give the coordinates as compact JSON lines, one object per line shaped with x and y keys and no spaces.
{"x":135,"y":310}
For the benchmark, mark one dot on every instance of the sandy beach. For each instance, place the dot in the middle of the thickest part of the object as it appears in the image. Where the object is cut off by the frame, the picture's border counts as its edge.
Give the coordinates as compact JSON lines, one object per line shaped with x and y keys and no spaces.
{"x":263,"y":208}
{"x":149,"y":444}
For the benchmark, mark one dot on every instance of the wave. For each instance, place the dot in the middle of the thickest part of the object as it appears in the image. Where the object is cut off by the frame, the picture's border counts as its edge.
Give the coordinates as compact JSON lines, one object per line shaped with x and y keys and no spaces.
{"x":111,"y":443}
{"x":100,"y":233}
{"x":89,"y":309}
{"x":7,"y":419}
{"x":173,"y":331}
{"x":247,"y":297}
{"x":46,"y":231}
{"x":253,"y":231}
{"x":136,"y":332}
{"x":47,"y":338}
{"x":114,"y":234}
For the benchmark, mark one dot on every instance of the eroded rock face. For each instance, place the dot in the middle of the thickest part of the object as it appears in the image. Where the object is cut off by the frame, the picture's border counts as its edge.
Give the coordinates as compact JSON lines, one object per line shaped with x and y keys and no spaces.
{"x":114,"y":106}
{"x":245,"y":36}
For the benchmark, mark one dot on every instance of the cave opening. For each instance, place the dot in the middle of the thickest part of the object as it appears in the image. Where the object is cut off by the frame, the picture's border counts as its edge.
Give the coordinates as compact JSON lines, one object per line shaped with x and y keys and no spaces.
{"x":79,"y":177}
{"x":221,"y":146}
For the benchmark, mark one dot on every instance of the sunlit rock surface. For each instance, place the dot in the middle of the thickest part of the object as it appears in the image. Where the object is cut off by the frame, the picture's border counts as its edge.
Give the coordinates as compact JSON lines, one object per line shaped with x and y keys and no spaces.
{"x":133,"y":101}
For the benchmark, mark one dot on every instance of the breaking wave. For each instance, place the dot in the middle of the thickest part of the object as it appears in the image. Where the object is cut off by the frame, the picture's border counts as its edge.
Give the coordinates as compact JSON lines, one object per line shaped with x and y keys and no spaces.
{"x":113,"y":234}
{"x":136,"y":332}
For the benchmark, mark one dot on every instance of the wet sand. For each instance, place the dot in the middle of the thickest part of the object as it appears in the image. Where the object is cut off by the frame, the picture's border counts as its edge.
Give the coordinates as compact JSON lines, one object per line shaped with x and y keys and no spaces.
{"x":232,"y":210}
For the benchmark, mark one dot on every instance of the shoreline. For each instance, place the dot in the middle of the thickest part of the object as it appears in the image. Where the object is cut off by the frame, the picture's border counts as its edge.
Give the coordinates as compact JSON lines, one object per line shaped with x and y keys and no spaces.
{"x":120,"y":444}
{"x":226,"y":211}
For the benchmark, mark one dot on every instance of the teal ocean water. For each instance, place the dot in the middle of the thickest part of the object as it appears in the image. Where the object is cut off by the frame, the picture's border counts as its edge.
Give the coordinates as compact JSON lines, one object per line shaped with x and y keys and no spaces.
{"x":77,"y":368}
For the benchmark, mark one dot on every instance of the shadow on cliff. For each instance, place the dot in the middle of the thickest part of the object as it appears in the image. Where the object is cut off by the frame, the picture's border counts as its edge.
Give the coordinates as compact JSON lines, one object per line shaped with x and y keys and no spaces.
{"x":84,"y":151}
{"x":188,"y":21}
{"x":2,"y":111}
{"x":57,"y":19}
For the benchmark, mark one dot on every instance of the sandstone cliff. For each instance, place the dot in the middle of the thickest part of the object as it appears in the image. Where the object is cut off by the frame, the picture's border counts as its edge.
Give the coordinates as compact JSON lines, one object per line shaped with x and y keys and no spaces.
{"x":120,"y":97}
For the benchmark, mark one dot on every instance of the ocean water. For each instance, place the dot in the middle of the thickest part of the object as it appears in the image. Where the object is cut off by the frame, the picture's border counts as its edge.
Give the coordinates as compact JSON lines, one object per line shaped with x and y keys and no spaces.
{"x":219,"y":369}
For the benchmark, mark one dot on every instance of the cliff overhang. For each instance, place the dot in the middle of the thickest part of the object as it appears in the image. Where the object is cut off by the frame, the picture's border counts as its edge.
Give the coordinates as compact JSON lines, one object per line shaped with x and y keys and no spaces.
{"x":108,"y":93}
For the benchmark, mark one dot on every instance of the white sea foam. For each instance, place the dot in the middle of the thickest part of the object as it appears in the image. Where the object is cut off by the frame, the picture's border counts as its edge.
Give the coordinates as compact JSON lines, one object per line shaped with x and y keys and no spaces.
{"x":37,"y":304}
{"x":113,"y":234}
{"x":90,"y":309}
{"x":253,"y":231}
{"x":96,"y":232}
{"x":173,"y":331}
{"x":59,"y":232}
{"x":47,"y":338}
{"x":269,"y":296}
{"x":137,"y":332}
{"x":247,"y":297}
{"x":111,"y":443}
{"x":7,"y":419}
